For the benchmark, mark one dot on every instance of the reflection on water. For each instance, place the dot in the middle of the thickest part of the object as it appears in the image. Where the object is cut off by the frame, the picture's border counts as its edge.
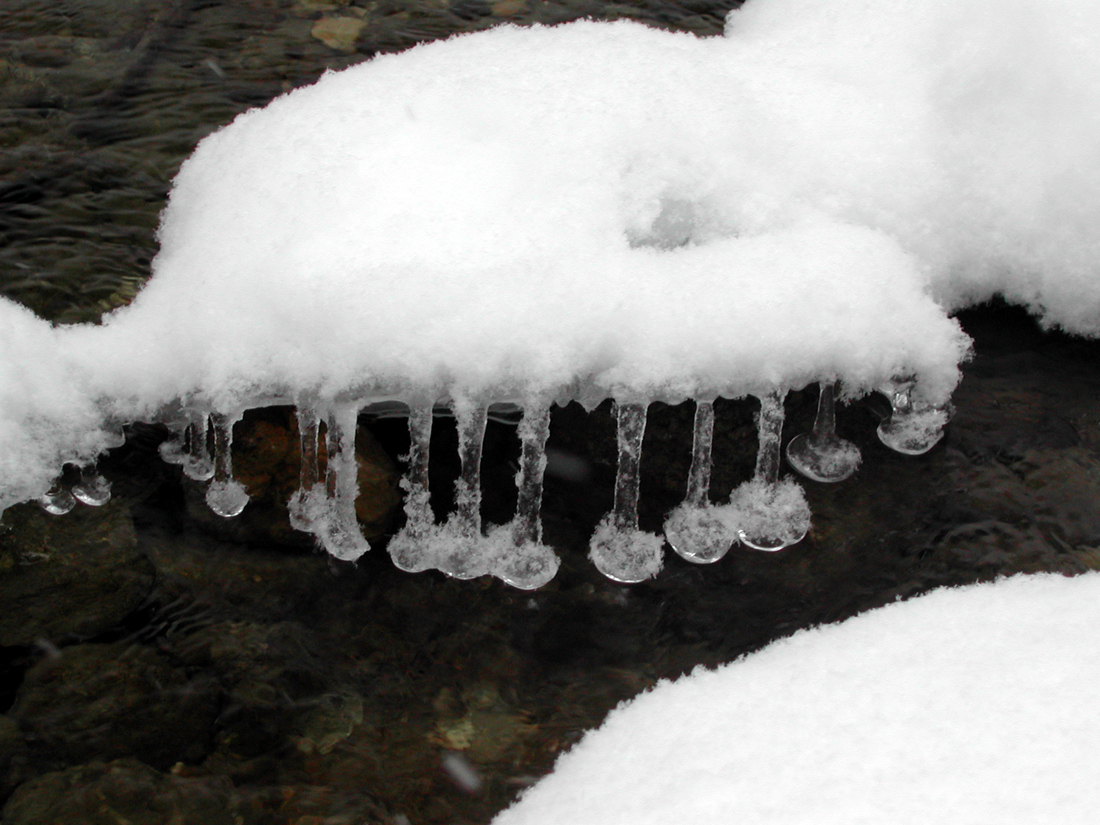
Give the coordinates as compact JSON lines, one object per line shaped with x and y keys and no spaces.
{"x":149,"y":651}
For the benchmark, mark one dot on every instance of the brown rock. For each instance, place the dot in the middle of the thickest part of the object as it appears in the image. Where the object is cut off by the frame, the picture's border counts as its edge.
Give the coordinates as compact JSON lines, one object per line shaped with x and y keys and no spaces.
{"x":339,"y":33}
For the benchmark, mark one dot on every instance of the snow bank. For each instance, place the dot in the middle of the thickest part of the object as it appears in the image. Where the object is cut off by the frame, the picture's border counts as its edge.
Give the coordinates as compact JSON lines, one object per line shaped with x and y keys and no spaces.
{"x":968,"y":705}
{"x":967,"y":129}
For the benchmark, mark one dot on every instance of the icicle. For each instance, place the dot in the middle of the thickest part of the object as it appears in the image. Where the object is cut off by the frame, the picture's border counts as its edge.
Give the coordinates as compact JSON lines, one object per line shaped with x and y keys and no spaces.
{"x":410,"y":548}
{"x":225,"y":496}
{"x":92,"y":488}
{"x":913,"y":428}
{"x":771,"y":514}
{"x":525,"y":562}
{"x":618,"y":548}
{"x":466,"y":555}
{"x":306,"y":507}
{"x":694,"y":529}
{"x":340,"y":534}
{"x":822,"y":455}
{"x":57,"y":501}
{"x":199,"y":464}
{"x":188,"y":446}
{"x":174,"y":449}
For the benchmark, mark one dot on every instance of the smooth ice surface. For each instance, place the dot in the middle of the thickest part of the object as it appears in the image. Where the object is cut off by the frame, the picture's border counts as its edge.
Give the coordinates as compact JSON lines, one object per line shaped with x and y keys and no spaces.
{"x":971,"y":706}
{"x":606,"y":209}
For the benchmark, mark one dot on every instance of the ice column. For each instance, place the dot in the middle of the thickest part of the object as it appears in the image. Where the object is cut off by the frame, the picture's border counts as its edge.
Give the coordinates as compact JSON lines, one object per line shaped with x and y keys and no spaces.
{"x":308,"y":501}
{"x":822,"y":455}
{"x":466,"y":554}
{"x":340,"y":534}
{"x":618,"y":548}
{"x":522,"y":560}
{"x":225,"y":496}
{"x":913,"y":428}
{"x":189,"y":446}
{"x":57,"y":501}
{"x":771,"y":514}
{"x":694,"y":529}
{"x":410,"y":547}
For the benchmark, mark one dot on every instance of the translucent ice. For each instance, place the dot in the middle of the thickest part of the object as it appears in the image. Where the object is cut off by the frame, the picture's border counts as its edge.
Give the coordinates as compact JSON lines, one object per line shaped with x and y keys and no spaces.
{"x":771,"y":513}
{"x":522,"y":560}
{"x":92,"y":488}
{"x":821,"y":454}
{"x":225,"y":495}
{"x":410,"y":548}
{"x":694,"y":529}
{"x":618,"y":548}
{"x":915,"y":426}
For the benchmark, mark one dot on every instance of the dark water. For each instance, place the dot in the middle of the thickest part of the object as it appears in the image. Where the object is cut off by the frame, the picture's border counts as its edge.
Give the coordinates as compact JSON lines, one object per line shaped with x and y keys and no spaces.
{"x":156,"y":661}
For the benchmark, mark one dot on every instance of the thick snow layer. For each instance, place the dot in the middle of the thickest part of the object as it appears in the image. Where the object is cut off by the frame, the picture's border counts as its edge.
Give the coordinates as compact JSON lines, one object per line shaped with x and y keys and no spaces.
{"x":969,"y":705}
{"x":968,"y":129}
{"x":521,"y":209}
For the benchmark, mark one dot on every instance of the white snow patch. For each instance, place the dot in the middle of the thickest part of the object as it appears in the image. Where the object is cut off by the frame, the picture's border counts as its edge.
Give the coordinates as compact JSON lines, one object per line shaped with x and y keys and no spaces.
{"x":969,"y":705}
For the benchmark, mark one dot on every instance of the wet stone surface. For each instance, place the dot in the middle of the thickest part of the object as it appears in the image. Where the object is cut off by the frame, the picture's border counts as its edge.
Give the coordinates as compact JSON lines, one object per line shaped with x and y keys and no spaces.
{"x":64,"y":579}
{"x":158,"y":664}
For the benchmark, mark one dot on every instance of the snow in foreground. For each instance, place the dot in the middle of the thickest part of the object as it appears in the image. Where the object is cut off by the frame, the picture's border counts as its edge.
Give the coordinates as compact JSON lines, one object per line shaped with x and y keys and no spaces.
{"x":967,"y":705}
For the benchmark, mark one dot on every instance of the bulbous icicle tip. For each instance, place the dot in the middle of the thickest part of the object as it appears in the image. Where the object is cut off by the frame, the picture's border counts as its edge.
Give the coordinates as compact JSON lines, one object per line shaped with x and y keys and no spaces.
{"x":625,"y":556}
{"x":770,"y":515}
{"x":699,"y":534}
{"x":226,"y":498}
{"x":822,"y":455}
{"x":92,"y":489}
{"x":57,"y":501}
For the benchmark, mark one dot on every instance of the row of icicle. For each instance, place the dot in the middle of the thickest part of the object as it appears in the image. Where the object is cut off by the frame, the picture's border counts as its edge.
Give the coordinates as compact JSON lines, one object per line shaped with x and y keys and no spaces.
{"x":765,"y":513}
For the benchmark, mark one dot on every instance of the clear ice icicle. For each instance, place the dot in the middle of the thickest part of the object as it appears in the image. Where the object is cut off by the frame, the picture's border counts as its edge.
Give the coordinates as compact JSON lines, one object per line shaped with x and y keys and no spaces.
{"x":307,"y":504}
{"x":466,"y":554}
{"x":822,"y":455}
{"x":174,"y":449}
{"x":771,"y":514}
{"x":528,"y":563}
{"x":225,"y":496}
{"x":410,"y":548}
{"x":92,"y":488}
{"x":340,"y":534}
{"x":694,"y":529}
{"x":57,"y":501}
{"x":618,"y":548}
{"x":913,"y":428}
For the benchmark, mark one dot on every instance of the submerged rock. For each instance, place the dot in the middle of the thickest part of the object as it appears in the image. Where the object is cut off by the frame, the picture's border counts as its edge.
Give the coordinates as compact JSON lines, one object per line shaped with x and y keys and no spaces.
{"x":68,"y":578}
{"x":114,"y":700}
{"x":121,"y":791}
